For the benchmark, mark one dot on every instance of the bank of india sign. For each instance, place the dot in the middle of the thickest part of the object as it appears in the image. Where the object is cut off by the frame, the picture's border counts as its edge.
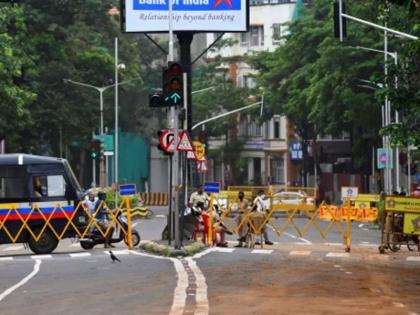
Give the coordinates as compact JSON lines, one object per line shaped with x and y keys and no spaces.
{"x":188,"y":15}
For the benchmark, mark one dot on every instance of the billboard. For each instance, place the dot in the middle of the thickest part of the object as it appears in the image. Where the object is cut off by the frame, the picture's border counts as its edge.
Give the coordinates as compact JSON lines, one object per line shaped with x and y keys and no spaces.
{"x":151,"y":16}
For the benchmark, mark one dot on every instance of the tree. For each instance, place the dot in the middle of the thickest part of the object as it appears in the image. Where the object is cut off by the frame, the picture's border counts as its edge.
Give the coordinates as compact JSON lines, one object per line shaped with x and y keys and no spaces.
{"x":313,"y":79}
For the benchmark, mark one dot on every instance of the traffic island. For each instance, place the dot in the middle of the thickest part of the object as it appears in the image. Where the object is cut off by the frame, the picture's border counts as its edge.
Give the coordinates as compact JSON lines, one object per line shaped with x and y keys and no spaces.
{"x":162,"y":248}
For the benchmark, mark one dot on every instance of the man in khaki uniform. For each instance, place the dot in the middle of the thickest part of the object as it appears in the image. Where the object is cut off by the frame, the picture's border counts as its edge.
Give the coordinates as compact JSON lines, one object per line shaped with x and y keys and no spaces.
{"x":243,"y":205}
{"x":199,"y":196}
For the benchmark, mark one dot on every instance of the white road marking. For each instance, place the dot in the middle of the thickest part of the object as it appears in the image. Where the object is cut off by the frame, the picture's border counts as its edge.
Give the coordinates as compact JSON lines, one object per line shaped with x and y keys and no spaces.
{"x":297,"y":243}
{"x":117,"y":252}
{"x":204,"y":252}
{"x":349,"y":272}
{"x":13,"y":247}
{"x":262,"y":251}
{"x":6,"y":258}
{"x":223,"y":250}
{"x":160,"y":216}
{"x":341,"y":255}
{"x":23,"y":281}
{"x":413,"y":258}
{"x":361,"y":226}
{"x":41,"y":257}
{"x":180,"y":294}
{"x":290,"y":235}
{"x":75,"y":245}
{"x":369,"y":245}
{"x":337,"y":266}
{"x":202,"y":303}
{"x":333,"y":244}
{"x":300,"y":253}
{"x":304,"y":240}
{"x":77,"y":255}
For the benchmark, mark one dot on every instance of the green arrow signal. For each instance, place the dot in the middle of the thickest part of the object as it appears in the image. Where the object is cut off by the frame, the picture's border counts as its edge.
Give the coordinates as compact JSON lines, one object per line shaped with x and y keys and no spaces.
{"x":175,"y":97}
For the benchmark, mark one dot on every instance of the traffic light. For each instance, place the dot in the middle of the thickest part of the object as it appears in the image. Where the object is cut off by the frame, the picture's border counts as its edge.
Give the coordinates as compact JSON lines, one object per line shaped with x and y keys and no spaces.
{"x":337,"y":19}
{"x":95,"y":148}
{"x":156,"y":98}
{"x":172,"y":84}
{"x":159,"y":134}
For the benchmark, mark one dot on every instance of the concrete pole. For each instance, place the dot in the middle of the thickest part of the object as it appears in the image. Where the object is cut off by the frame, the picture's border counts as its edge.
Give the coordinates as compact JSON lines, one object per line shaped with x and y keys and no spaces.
{"x":116,"y":124}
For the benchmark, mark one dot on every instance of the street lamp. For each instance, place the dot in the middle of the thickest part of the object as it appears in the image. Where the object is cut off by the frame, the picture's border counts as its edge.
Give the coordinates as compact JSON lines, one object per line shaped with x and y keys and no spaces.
{"x":101,"y":91}
{"x":387,"y":120}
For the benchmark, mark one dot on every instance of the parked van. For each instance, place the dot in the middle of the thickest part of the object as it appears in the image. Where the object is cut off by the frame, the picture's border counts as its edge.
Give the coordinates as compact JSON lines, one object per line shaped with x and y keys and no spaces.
{"x":38,"y":194}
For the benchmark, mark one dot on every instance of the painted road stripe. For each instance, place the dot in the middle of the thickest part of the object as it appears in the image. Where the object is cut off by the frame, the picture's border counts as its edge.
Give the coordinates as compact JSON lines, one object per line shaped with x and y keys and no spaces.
{"x":333,"y":244}
{"x":41,"y":256}
{"x":201,"y":300}
{"x":297,"y":243}
{"x":180,"y":294}
{"x":412,"y":258}
{"x":14,"y":247}
{"x":78,"y":255}
{"x":75,"y":245}
{"x":300,"y":253}
{"x":262,"y":251}
{"x":117,"y":252}
{"x":23,"y":281}
{"x":340,"y":255}
{"x":160,"y":216}
{"x":6,"y":258}
{"x":223,"y":250}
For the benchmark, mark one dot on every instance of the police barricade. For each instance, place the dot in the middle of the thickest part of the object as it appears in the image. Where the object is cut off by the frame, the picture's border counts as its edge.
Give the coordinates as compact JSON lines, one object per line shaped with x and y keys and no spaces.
{"x":155,"y":198}
{"x":235,"y":219}
{"x":53,"y":223}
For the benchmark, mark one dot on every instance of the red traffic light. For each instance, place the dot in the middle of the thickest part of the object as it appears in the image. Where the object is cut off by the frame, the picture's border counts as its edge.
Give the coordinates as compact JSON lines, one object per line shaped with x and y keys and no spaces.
{"x":175,"y":69}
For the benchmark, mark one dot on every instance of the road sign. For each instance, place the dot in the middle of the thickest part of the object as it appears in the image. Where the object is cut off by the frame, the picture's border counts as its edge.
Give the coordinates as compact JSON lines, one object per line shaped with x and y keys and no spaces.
{"x":191,"y":155}
{"x":349,"y":192}
{"x":184,"y":143}
{"x":201,"y":166}
{"x":166,"y":141}
{"x":212,"y":187}
{"x":199,"y":149}
{"x":127,"y":190}
{"x":384,"y":158}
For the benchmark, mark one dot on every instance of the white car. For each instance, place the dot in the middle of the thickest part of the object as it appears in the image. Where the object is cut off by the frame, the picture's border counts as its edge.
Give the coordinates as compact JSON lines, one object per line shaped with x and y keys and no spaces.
{"x":290,"y":198}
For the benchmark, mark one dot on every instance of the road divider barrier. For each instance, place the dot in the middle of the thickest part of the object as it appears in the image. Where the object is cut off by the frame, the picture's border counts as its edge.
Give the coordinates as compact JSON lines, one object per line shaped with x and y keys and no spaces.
{"x":155,"y":198}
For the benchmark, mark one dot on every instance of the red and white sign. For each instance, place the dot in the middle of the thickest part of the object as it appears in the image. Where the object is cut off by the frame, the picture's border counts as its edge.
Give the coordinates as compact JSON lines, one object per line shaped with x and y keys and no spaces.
{"x":191,"y":155}
{"x":184,"y":143}
{"x":167,"y":141}
{"x":202,"y":166}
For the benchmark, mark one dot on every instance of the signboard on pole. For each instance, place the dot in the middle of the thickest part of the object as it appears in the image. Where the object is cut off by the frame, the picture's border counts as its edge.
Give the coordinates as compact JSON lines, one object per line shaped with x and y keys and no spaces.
{"x":147,"y":16}
{"x":384,"y":158}
{"x":184,"y":143}
{"x":127,"y":190}
{"x":199,"y":149}
{"x":349,"y":192}
{"x":211,"y":187}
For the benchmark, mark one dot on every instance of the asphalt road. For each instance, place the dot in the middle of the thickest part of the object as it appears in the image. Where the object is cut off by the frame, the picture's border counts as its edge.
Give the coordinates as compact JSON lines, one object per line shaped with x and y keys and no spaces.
{"x":308,"y":275}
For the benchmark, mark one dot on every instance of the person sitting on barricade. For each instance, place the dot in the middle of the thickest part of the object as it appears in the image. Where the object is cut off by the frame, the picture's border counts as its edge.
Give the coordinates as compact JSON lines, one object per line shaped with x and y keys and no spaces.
{"x":242,"y":206}
{"x":259,"y":206}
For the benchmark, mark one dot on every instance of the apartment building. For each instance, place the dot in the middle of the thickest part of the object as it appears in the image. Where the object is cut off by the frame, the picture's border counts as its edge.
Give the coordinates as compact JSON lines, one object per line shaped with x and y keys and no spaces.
{"x":266,"y":148}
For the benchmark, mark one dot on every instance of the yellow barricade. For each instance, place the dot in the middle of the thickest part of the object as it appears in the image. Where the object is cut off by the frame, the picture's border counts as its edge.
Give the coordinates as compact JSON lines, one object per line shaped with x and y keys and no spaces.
{"x":155,"y":198}
{"x":34,"y":223}
{"x":240,"y":221}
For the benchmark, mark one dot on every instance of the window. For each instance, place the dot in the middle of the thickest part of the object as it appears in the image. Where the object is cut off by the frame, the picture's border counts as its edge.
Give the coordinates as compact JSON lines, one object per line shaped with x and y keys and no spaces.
{"x":276,"y":129}
{"x":51,"y":186}
{"x":254,"y":129}
{"x":56,"y":186}
{"x":12,"y":182}
{"x":277,"y":170}
{"x":255,"y":36}
{"x":279,"y":30}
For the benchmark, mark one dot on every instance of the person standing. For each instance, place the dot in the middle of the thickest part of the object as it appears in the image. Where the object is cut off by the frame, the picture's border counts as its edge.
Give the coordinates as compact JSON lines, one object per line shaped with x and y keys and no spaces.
{"x":260,"y":207}
{"x":243,"y":205}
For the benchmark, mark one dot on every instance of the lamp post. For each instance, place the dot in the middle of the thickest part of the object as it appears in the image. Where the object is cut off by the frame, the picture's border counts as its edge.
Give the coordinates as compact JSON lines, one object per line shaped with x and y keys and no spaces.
{"x":101,"y":90}
{"x":387,"y":121}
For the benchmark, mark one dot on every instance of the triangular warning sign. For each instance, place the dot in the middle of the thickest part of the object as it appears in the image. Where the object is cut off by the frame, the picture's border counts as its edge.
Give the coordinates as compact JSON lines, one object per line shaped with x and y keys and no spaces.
{"x":184,"y":142}
{"x":204,"y":167}
{"x":191,"y":155}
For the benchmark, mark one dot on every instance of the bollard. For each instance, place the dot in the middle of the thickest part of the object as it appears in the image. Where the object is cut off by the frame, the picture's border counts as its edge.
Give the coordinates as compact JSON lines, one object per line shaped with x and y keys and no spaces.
{"x":210,"y":233}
